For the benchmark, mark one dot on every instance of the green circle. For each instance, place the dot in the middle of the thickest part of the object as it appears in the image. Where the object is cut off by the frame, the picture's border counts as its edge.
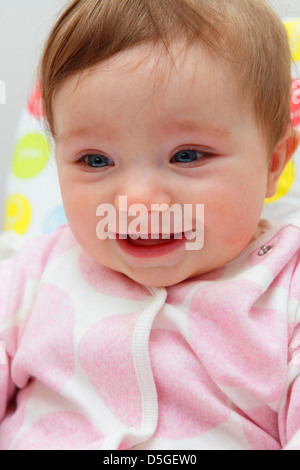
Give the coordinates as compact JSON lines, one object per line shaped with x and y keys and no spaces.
{"x":31,"y":155}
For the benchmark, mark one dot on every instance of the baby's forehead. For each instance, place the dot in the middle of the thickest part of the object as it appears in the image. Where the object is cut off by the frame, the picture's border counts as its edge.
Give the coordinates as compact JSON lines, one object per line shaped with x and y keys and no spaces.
{"x":160,"y":56}
{"x":162,"y":66}
{"x":184,"y":87}
{"x":248,"y":36}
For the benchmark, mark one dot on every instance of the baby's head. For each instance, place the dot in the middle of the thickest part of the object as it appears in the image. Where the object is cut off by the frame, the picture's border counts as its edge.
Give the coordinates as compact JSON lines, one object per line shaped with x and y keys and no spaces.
{"x":168,"y":102}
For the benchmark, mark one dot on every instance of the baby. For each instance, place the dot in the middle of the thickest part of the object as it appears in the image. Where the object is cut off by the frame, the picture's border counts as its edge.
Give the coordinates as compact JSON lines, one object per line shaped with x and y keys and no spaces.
{"x":121,"y":334}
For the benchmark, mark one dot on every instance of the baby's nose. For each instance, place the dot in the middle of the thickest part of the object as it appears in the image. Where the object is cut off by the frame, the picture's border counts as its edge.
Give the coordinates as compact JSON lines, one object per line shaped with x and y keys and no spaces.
{"x":150,"y":195}
{"x":144,"y":203}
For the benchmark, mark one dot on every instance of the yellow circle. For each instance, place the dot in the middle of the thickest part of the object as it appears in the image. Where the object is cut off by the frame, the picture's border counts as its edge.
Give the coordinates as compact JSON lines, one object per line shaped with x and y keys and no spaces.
{"x":293,"y":30}
{"x":17,"y":214}
{"x":31,"y":155}
{"x":285,"y":182}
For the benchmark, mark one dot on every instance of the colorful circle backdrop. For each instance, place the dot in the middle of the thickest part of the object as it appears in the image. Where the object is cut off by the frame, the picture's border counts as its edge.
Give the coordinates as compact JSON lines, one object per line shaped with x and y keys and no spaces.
{"x":33,"y":203}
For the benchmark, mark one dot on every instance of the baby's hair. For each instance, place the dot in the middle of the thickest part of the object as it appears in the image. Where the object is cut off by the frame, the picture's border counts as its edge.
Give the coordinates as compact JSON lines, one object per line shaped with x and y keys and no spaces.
{"x":247,"y":33}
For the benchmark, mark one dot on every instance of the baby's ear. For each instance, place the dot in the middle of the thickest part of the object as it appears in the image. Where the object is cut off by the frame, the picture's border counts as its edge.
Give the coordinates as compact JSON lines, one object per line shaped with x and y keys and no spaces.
{"x":282,"y":153}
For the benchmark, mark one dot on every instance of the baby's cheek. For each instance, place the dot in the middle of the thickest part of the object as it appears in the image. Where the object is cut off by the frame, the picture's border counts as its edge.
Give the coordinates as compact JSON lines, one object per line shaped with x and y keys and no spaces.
{"x":80,"y":208}
{"x":233,"y":215}
{"x":81,"y":212}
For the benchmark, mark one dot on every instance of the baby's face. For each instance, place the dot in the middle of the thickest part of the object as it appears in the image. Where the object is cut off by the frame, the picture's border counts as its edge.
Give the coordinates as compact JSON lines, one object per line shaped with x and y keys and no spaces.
{"x":157,"y":132}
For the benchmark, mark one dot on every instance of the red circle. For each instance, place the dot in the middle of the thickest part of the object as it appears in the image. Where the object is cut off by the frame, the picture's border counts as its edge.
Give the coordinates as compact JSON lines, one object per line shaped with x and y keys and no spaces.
{"x":35,"y":103}
{"x":295,"y":103}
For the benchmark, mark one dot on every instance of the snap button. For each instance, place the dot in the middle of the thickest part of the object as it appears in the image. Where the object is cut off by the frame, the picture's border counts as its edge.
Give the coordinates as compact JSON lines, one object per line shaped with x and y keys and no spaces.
{"x":265,"y":250}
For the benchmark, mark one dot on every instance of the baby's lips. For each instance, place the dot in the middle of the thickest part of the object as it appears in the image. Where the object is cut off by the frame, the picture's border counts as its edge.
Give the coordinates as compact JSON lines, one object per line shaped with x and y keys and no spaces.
{"x":147,"y":236}
{"x":189,"y":235}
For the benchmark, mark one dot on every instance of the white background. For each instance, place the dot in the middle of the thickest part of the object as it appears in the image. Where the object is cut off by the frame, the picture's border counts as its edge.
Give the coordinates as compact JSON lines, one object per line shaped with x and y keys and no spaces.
{"x":24,"y":25}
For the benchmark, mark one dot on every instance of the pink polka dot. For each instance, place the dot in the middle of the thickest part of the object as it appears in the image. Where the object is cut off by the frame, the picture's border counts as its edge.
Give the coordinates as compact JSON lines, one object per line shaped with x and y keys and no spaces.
{"x":292,"y":417}
{"x":189,"y":401}
{"x":238,"y":344}
{"x":15,"y":272}
{"x":291,"y":329}
{"x":294,"y":343}
{"x":105,"y":355}
{"x":47,"y":343}
{"x":6,"y":385}
{"x":295,"y":284}
{"x":110,"y":282}
{"x":59,"y":431}
{"x":45,"y":248}
{"x":65,"y":241}
{"x":283,"y":280}
{"x":258,"y":437}
{"x":14,"y":419}
{"x":10,"y":338}
{"x":177,"y":294}
{"x":260,"y":427}
{"x":266,"y":419}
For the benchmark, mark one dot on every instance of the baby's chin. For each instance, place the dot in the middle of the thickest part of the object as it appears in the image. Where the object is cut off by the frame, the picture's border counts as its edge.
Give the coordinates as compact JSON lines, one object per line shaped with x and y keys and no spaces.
{"x":158,"y":278}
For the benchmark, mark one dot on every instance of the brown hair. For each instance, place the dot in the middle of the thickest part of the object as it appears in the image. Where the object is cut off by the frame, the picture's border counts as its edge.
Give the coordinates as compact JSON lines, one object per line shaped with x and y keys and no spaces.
{"x":247,"y":33}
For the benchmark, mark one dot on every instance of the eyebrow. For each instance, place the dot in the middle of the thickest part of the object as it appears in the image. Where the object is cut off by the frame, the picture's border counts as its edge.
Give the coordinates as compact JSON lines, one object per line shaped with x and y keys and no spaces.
{"x":82,"y":131}
{"x":177,"y":126}
{"x":206,"y":128}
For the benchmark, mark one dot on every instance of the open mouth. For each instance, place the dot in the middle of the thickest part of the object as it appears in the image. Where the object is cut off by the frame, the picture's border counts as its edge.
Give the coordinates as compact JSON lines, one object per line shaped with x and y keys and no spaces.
{"x":161,"y":245}
{"x":151,"y":240}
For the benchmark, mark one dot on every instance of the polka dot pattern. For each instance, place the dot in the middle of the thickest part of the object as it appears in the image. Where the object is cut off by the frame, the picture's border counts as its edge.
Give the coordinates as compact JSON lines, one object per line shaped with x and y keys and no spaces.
{"x":14,"y":420}
{"x":224,"y":362}
{"x":224,"y":330}
{"x":33,"y":202}
{"x":103,"y":280}
{"x":108,"y":364}
{"x":190,"y":403}
{"x":52,"y":307}
{"x":67,"y":428}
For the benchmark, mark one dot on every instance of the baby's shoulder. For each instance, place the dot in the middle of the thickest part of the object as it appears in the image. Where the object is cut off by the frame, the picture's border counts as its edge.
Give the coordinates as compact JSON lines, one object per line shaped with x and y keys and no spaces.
{"x":23,"y":266}
{"x":35,"y":253}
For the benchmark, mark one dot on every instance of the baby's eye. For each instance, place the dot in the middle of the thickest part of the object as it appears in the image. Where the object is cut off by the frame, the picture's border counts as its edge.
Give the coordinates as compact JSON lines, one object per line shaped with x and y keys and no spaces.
{"x":96,"y":160}
{"x":188,"y":156}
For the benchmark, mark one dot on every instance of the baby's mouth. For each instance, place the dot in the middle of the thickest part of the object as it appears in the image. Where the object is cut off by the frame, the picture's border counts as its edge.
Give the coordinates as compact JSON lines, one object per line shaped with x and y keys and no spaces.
{"x":148,"y":240}
{"x":147,"y":246}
